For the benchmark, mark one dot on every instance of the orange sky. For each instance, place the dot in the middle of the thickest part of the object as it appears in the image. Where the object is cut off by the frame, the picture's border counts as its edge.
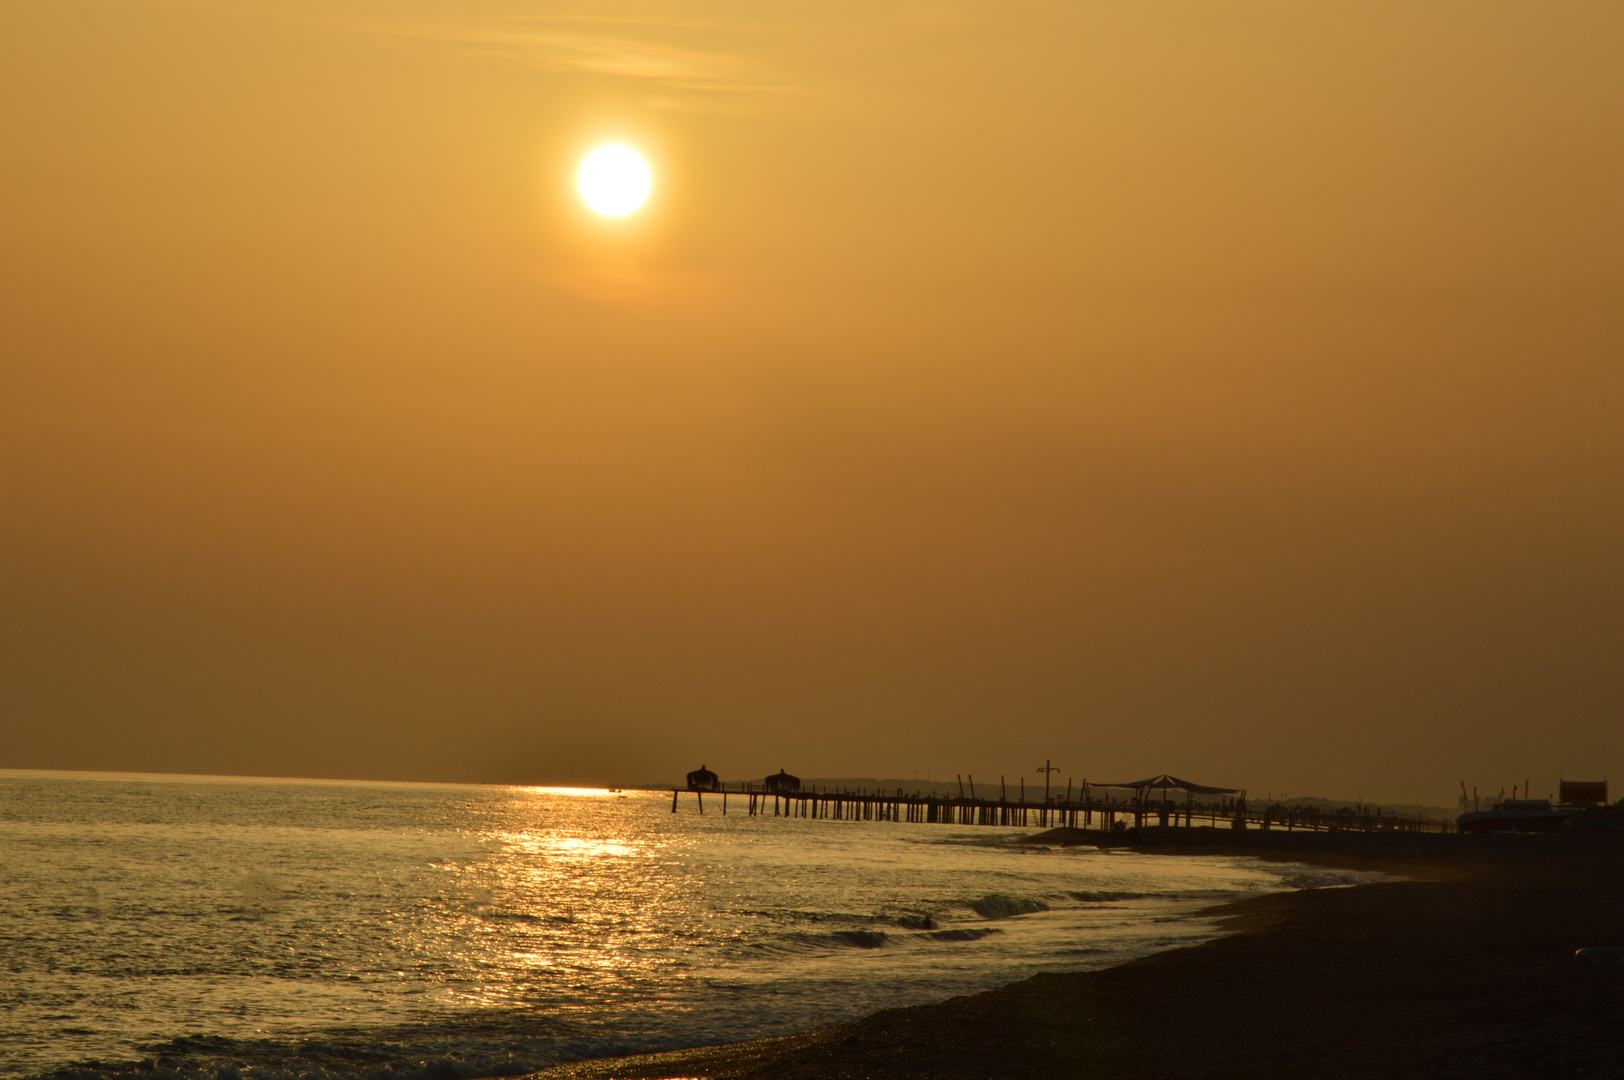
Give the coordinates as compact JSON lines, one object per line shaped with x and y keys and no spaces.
{"x":1232,"y":390}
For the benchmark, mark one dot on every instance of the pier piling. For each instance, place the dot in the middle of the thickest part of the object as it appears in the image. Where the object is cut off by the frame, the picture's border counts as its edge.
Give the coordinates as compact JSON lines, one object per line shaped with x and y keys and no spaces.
{"x":1081,"y":806}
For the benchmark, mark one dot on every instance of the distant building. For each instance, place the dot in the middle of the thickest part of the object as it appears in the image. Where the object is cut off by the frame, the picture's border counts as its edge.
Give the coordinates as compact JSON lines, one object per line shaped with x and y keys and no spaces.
{"x":783,"y":784}
{"x":1591,"y":792}
{"x":702,"y":779}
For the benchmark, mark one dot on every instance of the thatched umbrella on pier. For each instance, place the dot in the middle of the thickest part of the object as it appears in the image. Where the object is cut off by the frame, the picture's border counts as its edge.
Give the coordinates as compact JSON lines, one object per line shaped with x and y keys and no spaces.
{"x":702,"y":779}
{"x":1165,"y":783}
{"x":783,"y":784}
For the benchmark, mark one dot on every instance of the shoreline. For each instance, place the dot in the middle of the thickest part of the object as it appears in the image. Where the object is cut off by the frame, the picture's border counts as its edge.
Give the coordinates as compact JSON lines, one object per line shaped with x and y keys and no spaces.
{"x":1462,"y":964}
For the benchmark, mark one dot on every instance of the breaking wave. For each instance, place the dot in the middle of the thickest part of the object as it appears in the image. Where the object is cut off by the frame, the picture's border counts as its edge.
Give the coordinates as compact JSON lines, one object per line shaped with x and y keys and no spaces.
{"x":870,"y":939}
{"x":967,"y":933}
{"x":1104,"y":896}
{"x":998,"y":906}
{"x":1329,"y":879}
{"x":426,"y":1053}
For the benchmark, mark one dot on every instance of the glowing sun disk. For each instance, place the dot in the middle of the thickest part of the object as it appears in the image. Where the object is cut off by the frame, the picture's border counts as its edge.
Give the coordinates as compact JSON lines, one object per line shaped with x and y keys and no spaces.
{"x":613,"y":180}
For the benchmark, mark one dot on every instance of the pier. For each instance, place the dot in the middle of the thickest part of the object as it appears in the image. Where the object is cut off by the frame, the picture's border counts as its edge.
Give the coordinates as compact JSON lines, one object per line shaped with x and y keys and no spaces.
{"x":1143,"y":804}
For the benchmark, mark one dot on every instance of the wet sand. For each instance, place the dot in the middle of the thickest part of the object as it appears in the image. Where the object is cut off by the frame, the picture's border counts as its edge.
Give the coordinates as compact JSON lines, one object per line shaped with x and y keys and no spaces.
{"x":1461,"y":966}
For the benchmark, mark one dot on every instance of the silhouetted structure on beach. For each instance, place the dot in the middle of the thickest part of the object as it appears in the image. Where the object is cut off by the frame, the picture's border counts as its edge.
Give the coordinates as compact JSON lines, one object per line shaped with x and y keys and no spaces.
{"x":782,"y":784}
{"x":1144,"y":796}
{"x":1588,"y":792}
{"x":702,"y":779}
{"x":1088,"y":806}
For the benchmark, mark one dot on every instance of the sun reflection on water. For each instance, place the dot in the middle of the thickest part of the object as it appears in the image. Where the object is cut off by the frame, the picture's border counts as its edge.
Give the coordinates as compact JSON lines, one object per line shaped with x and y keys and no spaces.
{"x":559,"y":887}
{"x":572,"y":848}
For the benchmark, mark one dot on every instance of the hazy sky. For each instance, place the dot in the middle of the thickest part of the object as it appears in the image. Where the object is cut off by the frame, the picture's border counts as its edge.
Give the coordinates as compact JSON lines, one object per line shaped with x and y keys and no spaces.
{"x":1234,"y":390}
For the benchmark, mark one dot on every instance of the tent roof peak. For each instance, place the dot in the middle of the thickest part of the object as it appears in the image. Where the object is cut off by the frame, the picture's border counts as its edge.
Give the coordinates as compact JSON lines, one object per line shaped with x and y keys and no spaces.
{"x":1165,"y":782}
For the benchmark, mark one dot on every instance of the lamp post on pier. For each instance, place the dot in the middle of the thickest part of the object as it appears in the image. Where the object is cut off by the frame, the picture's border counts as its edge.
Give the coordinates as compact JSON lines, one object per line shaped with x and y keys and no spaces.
{"x":1048,"y":768}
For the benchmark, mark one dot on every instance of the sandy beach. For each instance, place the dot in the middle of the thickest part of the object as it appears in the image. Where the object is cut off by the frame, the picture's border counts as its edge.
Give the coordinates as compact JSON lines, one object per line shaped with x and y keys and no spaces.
{"x":1460,"y":964}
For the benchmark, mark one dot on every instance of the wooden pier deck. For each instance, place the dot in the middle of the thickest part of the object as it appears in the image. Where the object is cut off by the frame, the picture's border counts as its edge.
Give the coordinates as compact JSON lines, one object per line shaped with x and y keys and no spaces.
{"x":1089,"y":811}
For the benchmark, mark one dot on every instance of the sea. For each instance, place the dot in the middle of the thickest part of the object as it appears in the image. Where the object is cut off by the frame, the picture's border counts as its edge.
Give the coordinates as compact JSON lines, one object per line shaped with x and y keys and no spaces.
{"x":257,"y":929}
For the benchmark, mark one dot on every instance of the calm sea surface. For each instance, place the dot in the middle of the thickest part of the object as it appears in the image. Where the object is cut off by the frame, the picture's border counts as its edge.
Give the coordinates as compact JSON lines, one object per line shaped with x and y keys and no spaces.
{"x":231,"y":928}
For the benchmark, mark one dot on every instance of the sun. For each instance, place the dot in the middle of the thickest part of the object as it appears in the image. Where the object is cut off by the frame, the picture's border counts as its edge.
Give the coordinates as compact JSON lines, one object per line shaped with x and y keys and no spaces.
{"x":613,"y":180}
